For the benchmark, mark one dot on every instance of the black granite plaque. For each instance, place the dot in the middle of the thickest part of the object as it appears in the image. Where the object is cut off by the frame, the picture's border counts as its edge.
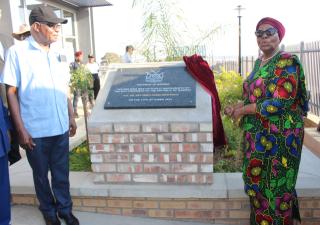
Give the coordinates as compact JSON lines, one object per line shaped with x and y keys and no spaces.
{"x":161,"y":87}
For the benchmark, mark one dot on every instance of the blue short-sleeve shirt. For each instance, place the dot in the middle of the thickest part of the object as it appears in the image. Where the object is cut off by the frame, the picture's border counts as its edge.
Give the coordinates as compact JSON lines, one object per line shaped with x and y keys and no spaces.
{"x":42,"y":80}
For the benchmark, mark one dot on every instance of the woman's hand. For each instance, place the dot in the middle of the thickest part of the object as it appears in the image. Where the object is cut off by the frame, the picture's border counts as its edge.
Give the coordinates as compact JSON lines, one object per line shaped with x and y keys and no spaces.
{"x":229,"y":110}
{"x":237,"y":114}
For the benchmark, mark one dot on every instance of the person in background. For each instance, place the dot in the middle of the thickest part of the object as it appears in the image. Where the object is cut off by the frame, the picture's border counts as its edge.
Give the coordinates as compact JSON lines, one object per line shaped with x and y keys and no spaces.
{"x":275,"y":102}
{"x":22,"y":33}
{"x":78,"y":61}
{"x":93,"y":67}
{"x":127,"y":58}
{"x":37,"y":83}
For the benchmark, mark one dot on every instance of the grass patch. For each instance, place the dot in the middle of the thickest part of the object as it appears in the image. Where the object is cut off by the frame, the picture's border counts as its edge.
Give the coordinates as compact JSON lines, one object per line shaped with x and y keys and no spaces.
{"x":79,"y":158}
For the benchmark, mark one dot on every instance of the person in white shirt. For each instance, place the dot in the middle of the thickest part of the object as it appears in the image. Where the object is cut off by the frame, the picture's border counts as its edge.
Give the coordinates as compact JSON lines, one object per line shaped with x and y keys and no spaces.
{"x":127,"y":58}
{"x":93,"y":67}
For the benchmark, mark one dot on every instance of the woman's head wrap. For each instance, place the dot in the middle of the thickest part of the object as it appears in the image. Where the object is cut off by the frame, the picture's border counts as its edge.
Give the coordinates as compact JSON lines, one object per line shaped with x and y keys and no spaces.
{"x":275,"y":23}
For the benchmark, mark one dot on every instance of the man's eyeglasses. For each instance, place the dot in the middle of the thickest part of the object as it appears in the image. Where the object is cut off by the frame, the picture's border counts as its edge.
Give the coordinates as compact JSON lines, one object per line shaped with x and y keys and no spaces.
{"x":54,"y":26}
{"x":269,"y":32}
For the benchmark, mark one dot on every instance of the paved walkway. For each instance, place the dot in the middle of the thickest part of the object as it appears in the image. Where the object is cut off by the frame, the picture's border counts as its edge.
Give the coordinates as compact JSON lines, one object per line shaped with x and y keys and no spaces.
{"x":27,"y":215}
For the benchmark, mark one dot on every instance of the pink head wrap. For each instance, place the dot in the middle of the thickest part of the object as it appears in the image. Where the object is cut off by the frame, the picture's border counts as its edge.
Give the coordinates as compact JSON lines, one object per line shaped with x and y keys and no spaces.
{"x":275,"y":23}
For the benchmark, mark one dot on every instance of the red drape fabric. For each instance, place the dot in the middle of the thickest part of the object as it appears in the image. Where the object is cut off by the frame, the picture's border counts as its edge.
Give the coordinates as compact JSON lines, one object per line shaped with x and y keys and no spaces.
{"x":203,"y":74}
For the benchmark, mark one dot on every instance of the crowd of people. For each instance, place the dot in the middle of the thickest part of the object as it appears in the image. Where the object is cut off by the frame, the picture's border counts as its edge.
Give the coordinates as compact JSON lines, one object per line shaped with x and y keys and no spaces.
{"x":41,"y":118}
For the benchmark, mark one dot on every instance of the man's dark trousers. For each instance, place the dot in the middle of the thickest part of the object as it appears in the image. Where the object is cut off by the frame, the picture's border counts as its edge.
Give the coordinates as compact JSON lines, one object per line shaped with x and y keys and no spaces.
{"x":4,"y":191}
{"x":51,"y":153}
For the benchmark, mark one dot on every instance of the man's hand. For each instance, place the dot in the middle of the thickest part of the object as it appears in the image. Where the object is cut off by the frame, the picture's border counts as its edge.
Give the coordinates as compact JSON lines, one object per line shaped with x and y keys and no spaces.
{"x":237,"y":114}
{"x":25,"y":140}
{"x":72,"y":127}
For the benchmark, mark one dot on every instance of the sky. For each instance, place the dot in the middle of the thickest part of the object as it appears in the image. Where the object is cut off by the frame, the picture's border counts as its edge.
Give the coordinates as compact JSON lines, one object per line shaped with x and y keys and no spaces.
{"x":119,"y":25}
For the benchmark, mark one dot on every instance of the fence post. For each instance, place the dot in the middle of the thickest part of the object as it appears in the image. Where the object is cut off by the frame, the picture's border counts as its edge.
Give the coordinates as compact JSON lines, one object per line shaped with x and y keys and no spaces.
{"x":301,"y":52}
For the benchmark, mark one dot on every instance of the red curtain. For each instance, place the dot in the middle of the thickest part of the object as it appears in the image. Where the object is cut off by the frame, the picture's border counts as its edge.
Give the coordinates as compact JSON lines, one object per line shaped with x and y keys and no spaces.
{"x":203,"y":74}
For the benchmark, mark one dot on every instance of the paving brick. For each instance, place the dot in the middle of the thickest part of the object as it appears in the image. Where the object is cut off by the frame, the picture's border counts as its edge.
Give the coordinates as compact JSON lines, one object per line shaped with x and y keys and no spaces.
{"x":143,"y":138}
{"x":145,"y":204}
{"x":158,"y":213}
{"x":145,"y":178}
{"x":126,"y":128}
{"x":118,"y":203}
{"x":115,"y":138}
{"x":94,"y":202}
{"x":103,"y":167}
{"x":134,"y":212}
{"x":155,"y":127}
{"x":173,"y":204}
{"x":112,"y":211}
{"x":184,"y":127}
{"x":118,"y":178}
{"x":171,"y":137}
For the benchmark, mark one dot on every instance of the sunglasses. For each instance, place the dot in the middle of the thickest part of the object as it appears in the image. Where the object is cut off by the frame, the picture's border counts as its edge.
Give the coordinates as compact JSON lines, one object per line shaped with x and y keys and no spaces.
{"x":269,"y":32}
{"x":52,"y":25}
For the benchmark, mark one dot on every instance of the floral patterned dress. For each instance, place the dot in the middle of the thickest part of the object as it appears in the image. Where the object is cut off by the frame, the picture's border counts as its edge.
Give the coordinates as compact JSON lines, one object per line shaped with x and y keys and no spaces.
{"x":273,"y":139}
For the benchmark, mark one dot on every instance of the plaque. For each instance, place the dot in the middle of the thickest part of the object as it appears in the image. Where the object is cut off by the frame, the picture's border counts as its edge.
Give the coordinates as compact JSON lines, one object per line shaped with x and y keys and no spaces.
{"x":159,"y":87}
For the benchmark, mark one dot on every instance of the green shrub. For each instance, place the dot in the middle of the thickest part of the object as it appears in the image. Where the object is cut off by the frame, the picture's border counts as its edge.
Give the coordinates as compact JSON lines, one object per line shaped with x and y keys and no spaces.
{"x":229,"y":86}
{"x":79,"y":158}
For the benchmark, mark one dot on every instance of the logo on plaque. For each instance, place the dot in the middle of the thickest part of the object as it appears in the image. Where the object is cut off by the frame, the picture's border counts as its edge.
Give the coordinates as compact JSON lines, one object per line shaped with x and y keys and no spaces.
{"x":154,"y":76}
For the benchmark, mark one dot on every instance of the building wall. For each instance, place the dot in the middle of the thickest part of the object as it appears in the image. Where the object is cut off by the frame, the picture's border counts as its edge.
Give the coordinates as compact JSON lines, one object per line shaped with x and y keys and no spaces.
{"x":5,"y":21}
{"x":84,"y":31}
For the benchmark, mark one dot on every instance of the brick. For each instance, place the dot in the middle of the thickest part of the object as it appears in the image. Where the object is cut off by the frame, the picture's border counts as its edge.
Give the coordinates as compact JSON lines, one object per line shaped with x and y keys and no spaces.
{"x":158,"y":213}
{"x":172,"y":204}
{"x":206,"y":168}
{"x":85,"y":209}
{"x":199,"y":137}
{"x":101,"y":148}
{"x":306,"y":213}
{"x":134,"y":212}
{"x":145,"y":204}
{"x":184,"y":127}
{"x":126,"y":128}
{"x":168,"y":178}
{"x":309,"y":204}
{"x":96,"y":158}
{"x":23,"y":200}
{"x":94,"y":138}
{"x":143,"y":138}
{"x":112,"y":211}
{"x":205,"y":127}
{"x":239,"y":214}
{"x":205,"y":147}
{"x":115,"y":158}
{"x":115,"y":138}
{"x":119,"y":178}
{"x":155,"y":128}
{"x":316,"y":213}
{"x":232,"y":221}
{"x":116,"y":203}
{"x":162,"y":158}
{"x":126,"y":148}
{"x":94,"y":202}
{"x":103,"y":167}
{"x":156,"y":148}
{"x":185,"y":148}
{"x":171,"y":137}
{"x":99,"y":178}
{"x":101,"y":128}
{"x":184,"y":168}
{"x":129,"y":168}
{"x":76,"y":202}
{"x":156,"y":168}
{"x":200,"y":205}
{"x":145,"y":178}
{"x":194,"y":214}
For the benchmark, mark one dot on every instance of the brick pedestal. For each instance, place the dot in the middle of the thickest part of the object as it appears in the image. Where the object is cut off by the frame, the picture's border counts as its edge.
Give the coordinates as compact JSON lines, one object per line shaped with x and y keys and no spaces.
{"x":166,"y":153}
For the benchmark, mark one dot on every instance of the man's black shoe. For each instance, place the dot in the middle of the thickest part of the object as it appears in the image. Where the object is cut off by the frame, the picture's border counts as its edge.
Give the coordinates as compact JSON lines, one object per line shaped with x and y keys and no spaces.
{"x":70,"y":219}
{"x":52,"y":220}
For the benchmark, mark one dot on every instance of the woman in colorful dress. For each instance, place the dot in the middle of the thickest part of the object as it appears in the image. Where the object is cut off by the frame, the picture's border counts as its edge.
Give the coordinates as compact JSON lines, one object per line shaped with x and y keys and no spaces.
{"x":275,"y":101}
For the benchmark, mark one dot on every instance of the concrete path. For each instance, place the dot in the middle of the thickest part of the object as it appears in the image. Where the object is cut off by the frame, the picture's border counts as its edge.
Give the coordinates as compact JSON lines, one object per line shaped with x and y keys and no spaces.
{"x":27,"y":215}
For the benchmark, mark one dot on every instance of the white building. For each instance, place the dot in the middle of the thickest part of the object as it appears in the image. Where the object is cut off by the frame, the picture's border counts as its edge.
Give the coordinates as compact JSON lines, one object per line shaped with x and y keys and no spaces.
{"x":77,"y":34}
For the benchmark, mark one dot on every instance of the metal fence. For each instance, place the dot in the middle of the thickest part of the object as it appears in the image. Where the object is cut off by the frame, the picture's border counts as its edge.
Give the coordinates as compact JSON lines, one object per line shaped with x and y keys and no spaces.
{"x":309,"y":54}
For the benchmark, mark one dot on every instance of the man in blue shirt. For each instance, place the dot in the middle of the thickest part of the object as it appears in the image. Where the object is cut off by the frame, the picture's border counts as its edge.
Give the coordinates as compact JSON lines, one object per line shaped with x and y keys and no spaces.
{"x":37,"y":79}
